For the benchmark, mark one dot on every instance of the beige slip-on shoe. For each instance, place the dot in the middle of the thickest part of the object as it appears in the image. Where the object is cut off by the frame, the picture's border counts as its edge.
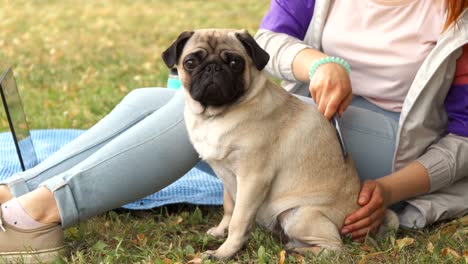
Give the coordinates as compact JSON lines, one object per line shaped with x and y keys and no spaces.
{"x":40,"y":245}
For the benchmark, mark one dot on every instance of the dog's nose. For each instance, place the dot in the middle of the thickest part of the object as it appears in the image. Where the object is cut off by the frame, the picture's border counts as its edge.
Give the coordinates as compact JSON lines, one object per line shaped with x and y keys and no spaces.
{"x":213,"y":67}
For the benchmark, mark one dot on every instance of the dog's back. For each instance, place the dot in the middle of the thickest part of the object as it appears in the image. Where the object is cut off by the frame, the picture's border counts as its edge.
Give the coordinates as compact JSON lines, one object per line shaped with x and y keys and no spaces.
{"x":310,"y":168}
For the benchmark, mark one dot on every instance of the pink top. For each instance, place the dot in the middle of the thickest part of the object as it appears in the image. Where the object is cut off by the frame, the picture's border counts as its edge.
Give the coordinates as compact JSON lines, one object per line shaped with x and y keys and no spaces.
{"x":385,"y":42}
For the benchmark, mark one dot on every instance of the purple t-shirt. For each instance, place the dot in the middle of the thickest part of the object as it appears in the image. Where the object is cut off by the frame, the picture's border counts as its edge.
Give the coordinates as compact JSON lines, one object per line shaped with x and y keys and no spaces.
{"x":293,"y":17}
{"x":456,"y":104}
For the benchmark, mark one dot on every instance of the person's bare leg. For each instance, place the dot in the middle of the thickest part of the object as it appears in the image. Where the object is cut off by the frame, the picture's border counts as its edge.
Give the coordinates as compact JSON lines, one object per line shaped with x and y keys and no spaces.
{"x":5,"y":194}
{"x":40,"y":204}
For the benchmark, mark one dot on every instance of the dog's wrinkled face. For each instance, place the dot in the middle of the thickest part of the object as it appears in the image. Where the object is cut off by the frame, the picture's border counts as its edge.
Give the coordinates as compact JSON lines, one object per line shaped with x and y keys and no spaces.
{"x":214,"y":64}
{"x":216,"y":75}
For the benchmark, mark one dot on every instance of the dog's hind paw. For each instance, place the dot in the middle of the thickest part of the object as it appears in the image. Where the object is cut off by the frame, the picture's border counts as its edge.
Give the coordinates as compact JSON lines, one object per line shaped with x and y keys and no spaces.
{"x":390,"y":224}
{"x":314,"y":250}
{"x":209,"y":254}
{"x":213,"y":254}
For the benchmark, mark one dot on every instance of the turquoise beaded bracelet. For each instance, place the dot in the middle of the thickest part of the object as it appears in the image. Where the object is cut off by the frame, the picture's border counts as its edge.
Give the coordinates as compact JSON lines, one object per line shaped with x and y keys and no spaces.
{"x":325,"y":60}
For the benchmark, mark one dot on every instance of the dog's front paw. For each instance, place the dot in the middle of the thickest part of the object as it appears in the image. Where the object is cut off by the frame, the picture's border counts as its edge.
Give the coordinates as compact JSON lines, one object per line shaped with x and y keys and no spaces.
{"x":210,"y":254}
{"x":217,"y":232}
{"x":225,"y":251}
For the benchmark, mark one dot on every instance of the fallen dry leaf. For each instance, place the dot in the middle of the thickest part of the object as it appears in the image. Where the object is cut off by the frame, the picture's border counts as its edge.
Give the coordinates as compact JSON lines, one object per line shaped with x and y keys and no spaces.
{"x":299,"y":258}
{"x":123,"y":88}
{"x":282,"y":256}
{"x":141,"y":236}
{"x":365,"y":247}
{"x":434,"y":237}
{"x":464,"y":221}
{"x":406,"y":241}
{"x":363,"y":259}
{"x":430,"y":247}
{"x":448,"y":251}
{"x":465,"y":255}
{"x":178,"y":220}
{"x":197,"y":259}
{"x":450,"y":229}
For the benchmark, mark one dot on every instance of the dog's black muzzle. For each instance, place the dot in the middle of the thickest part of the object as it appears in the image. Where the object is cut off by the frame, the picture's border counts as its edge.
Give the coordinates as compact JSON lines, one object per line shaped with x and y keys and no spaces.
{"x":216,"y":84}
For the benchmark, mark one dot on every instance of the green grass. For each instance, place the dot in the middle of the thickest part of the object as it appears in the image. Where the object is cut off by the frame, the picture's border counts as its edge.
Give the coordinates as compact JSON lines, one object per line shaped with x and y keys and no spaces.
{"x":75,"y":60}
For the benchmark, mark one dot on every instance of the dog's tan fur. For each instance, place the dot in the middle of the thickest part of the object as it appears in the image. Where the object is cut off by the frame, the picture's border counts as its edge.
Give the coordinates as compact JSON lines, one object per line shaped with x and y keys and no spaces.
{"x":278,"y":157}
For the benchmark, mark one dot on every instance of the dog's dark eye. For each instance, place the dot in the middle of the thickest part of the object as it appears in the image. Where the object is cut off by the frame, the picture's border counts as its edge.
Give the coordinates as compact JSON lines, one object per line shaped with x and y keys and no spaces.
{"x":190,"y":64}
{"x":236,"y":64}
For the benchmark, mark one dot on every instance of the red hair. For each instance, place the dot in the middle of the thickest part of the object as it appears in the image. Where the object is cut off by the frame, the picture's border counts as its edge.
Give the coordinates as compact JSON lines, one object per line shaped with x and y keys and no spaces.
{"x":454,"y":9}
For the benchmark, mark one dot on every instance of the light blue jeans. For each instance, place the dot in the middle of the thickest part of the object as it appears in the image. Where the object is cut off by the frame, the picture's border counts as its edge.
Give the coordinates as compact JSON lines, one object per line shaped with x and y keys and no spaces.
{"x":142,"y":146}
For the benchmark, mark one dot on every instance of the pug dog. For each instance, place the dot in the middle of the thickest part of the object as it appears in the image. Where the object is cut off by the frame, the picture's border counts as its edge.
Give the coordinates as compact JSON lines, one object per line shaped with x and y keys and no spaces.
{"x":279,"y":158}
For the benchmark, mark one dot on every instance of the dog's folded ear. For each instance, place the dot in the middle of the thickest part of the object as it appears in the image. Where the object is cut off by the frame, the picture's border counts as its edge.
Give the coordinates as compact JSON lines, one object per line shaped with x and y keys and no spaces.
{"x":172,"y":54}
{"x":259,"y":56}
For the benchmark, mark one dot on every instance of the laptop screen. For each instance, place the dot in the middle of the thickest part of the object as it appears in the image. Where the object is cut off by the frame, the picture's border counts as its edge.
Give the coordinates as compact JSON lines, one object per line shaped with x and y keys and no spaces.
{"x":17,"y":120}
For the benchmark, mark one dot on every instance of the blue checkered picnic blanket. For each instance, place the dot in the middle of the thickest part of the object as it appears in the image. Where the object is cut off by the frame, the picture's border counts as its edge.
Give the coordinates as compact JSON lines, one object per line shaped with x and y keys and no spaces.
{"x":195,"y":187}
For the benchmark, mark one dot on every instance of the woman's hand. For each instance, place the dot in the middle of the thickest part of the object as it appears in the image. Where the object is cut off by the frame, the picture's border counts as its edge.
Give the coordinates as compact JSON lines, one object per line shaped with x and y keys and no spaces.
{"x":330,"y":87}
{"x":376,"y":196}
{"x":374,"y":201}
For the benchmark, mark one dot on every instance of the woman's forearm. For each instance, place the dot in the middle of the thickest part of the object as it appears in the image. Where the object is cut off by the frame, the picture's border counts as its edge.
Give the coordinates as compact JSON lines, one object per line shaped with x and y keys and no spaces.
{"x":302,"y":62}
{"x":411,"y":181}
